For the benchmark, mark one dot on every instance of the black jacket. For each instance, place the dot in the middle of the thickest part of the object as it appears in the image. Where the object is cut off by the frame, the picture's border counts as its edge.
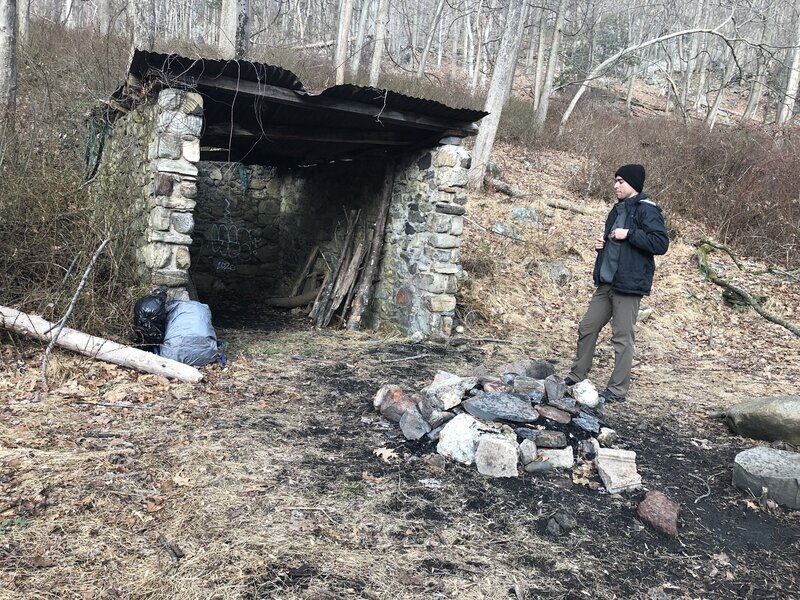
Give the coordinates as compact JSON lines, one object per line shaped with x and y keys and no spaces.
{"x":647,"y":236}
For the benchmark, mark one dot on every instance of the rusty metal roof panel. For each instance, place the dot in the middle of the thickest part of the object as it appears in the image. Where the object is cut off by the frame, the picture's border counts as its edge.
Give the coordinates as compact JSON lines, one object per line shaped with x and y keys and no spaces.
{"x":396,"y":101}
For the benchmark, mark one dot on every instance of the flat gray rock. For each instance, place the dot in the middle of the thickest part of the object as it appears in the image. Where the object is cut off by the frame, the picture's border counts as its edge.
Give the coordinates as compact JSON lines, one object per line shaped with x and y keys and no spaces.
{"x":776,"y":470}
{"x":587,"y":422}
{"x":555,"y":388}
{"x":771,"y":418}
{"x":496,"y":456}
{"x":551,"y":439}
{"x":413,"y":425}
{"x":500,"y":407}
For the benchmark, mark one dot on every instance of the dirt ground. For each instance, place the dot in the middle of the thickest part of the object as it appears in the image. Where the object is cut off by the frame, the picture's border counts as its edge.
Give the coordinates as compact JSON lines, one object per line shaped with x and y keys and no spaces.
{"x":274,"y":478}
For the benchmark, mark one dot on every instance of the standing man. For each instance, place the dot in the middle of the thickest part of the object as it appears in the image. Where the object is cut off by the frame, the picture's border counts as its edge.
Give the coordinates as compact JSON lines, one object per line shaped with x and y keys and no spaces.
{"x":623,"y":273}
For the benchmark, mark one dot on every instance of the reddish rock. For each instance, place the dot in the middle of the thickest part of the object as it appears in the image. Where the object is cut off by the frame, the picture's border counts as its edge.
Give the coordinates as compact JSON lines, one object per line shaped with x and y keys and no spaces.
{"x":554,"y":414}
{"x":393,"y":402}
{"x":660,"y":512}
{"x":496,"y":387}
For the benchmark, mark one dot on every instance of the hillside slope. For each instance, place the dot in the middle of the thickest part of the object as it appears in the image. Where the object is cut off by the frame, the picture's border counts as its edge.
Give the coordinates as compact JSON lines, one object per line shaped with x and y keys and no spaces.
{"x":694,"y":352}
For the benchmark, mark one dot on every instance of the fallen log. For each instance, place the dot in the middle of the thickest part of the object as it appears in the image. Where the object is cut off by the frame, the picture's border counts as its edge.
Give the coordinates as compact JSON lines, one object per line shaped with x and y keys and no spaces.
{"x":97,"y":347}
{"x":513,"y":192}
{"x":292,"y":301}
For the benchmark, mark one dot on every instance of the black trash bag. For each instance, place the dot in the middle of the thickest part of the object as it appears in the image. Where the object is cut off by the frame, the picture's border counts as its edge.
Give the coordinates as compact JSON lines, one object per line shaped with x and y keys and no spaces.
{"x":150,"y":319}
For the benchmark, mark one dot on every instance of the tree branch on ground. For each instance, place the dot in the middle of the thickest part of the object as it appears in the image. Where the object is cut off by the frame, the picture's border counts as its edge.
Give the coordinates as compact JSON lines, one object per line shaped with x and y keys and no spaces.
{"x":706,"y":247}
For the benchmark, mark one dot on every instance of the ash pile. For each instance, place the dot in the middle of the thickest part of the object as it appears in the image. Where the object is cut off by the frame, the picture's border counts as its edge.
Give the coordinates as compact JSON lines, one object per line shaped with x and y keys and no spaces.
{"x":525,"y":420}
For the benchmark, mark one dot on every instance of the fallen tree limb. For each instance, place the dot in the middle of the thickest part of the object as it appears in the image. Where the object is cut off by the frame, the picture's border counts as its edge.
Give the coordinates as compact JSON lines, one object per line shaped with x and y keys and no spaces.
{"x":60,"y":325}
{"x":97,"y":347}
{"x":702,"y":256}
{"x":512,"y":192}
{"x":744,"y":268}
{"x":292,"y":301}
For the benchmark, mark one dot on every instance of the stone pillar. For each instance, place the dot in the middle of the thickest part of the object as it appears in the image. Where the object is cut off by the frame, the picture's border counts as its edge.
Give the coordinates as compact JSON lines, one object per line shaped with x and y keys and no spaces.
{"x":174,"y":150}
{"x":421,"y":265}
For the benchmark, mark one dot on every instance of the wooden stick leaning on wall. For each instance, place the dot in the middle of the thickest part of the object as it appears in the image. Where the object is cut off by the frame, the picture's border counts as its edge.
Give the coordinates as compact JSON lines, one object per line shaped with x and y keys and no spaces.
{"x":97,"y":347}
{"x":346,"y":283}
{"x":297,"y":287}
{"x":327,"y":291}
{"x":364,"y":292}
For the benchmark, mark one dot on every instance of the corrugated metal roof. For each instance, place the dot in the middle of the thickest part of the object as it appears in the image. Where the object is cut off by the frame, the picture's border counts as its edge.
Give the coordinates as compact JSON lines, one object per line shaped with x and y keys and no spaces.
{"x":150,"y":64}
{"x":147,"y":64}
{"x":396,"y":101}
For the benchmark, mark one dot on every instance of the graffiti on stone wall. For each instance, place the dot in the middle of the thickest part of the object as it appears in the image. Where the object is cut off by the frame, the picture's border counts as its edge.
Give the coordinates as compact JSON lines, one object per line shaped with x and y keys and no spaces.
{"x":231,"y":242}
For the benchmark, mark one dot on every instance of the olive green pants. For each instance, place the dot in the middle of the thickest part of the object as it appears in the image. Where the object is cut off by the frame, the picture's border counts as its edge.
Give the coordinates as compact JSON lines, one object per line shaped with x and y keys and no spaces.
{"x":622,"y":311}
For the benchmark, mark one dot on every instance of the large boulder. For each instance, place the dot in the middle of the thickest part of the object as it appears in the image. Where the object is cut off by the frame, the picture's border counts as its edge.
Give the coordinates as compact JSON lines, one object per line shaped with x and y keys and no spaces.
{"x":771,"y":418}
{"x":776,"y":471}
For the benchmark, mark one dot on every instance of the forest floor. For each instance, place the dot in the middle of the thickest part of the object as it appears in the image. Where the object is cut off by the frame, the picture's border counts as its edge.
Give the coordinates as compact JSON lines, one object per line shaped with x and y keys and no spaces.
{"x":274,"y":478}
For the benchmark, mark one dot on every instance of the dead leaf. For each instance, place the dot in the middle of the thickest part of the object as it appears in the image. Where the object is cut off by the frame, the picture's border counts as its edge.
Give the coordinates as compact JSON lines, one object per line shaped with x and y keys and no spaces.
{"x":153,"y":506}
{"x":181,"y":481}
{"x":386,"y":454}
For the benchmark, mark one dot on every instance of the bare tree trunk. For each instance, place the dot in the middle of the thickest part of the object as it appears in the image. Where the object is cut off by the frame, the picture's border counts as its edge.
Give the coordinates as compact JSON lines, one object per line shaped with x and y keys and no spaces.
{"x":711,"y":118}
{"x":23,"y":21}
{"x":381,"y":22}
{"x":454,"y":50}
{"x":143,"y":22}
{"x":361,"y":35}
{"x":469,"y":55}
{"x":694,"y":47}
{"x":479,"y":41}
{"x":234,"y":38}
{"x":429,"y":42}
{"x":97,"y":347}
{"x":792,"y":81}
{"x":703,"y":76}
{"x":757,"y":89}
{"x":342,"y":39}
{"x":498,"y":91}
{"x":8,"y":61}
{"x":547,"y":87}
{"x":539,"y":77}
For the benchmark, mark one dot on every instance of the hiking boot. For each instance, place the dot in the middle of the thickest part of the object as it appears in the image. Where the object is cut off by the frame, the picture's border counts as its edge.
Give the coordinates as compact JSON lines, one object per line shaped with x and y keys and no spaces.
{"x":609,"y":397}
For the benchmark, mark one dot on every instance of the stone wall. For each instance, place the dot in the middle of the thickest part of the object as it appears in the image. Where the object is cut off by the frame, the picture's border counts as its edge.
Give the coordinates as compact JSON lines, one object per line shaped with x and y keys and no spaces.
{"x":421,"y":265}
{"x":121,"y":181}
{"x":255,"y":225}
{"x":173,"y":150}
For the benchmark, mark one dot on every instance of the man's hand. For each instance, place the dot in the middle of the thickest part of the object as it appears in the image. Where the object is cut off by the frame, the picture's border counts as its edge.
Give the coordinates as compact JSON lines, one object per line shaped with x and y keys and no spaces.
{"x":618,"y":234}
{"x":599,"y":243}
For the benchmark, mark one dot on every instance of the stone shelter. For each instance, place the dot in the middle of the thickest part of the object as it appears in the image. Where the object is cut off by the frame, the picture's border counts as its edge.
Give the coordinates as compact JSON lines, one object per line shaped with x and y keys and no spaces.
{"x":241,"y":183}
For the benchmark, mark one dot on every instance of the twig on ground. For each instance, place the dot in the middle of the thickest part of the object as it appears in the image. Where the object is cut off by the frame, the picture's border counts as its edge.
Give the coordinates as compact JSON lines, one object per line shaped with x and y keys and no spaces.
{"x":705,"y":483}
{"x":415,"y":357}
{"x":63,"y":321}
{"x":174,"y":552}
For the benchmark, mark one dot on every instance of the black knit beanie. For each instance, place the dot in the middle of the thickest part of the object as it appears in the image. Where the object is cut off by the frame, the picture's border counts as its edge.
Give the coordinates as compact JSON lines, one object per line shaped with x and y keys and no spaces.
{"x":633,"y":176}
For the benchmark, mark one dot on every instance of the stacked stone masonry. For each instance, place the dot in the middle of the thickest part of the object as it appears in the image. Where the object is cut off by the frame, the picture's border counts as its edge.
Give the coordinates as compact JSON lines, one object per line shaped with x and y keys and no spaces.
{"x":173,"y":151}
{"x":421,"y":265}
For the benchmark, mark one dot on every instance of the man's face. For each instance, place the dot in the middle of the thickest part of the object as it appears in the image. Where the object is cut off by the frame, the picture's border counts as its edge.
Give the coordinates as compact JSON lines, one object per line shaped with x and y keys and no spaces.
{"x":622,"y":189}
